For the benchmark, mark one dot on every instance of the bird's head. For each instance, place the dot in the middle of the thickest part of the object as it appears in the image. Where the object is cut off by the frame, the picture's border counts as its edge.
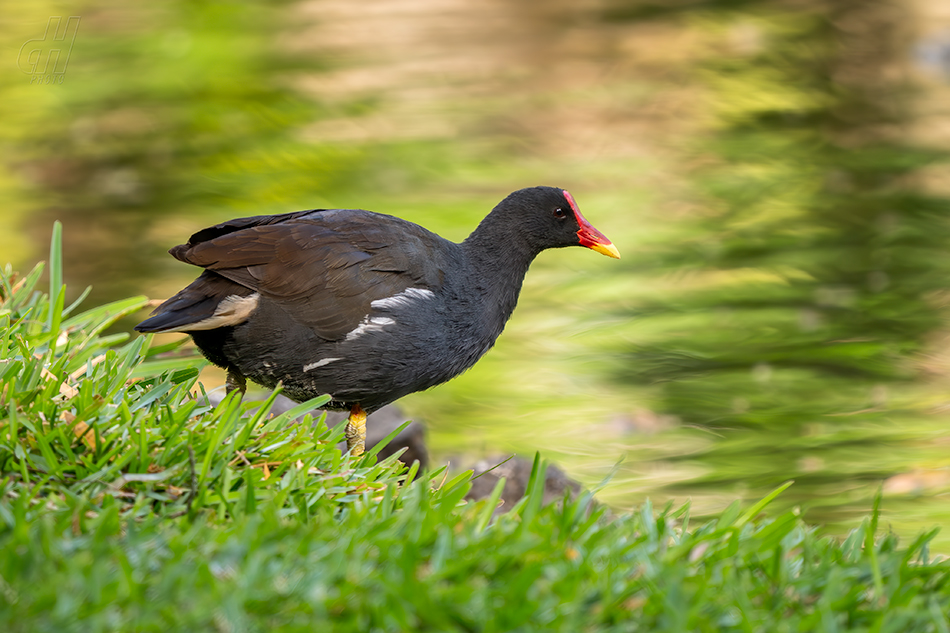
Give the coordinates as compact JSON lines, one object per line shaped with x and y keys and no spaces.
{"x":548,"y":217}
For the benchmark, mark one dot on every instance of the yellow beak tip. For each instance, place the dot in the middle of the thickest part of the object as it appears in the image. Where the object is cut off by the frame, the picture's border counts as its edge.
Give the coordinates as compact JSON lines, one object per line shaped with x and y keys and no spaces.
{"x":606,"y":249}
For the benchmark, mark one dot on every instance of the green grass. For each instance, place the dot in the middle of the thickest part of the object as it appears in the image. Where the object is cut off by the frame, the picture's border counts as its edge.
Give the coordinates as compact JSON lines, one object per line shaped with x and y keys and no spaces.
{"x":129,"y":504}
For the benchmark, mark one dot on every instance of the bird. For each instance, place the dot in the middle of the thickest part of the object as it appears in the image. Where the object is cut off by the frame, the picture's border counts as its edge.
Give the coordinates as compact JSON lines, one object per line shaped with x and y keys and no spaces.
{"x":363,"y":306}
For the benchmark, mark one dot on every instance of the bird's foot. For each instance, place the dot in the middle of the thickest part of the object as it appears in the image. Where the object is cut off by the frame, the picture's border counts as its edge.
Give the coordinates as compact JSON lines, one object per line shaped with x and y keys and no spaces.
{"x":356,"y":431}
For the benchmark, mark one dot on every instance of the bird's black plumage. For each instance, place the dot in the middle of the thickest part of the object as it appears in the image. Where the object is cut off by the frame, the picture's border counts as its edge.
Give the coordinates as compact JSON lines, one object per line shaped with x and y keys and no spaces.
{"x":363,"y":306}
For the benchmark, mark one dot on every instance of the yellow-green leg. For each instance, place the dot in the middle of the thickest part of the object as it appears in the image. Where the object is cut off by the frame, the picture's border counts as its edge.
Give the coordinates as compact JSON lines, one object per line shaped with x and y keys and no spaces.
{"x":356,"y":431}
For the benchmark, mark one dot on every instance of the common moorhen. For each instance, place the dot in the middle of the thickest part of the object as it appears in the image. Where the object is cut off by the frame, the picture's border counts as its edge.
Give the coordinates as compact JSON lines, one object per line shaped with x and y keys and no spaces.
{"x":363,"y":306}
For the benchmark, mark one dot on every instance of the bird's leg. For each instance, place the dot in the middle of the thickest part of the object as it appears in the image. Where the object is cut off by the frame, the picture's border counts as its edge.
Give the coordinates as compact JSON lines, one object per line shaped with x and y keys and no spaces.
{"x":356,"y":431}
{"x":235,"y":381}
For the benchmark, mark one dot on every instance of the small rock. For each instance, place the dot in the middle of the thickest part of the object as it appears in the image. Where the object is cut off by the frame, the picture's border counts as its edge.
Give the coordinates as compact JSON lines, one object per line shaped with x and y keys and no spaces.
{"x":517,"y":472}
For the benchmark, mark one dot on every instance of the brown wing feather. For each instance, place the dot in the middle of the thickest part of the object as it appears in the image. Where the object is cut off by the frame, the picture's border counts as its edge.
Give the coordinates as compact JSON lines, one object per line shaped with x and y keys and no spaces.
{"x":325,"y":270}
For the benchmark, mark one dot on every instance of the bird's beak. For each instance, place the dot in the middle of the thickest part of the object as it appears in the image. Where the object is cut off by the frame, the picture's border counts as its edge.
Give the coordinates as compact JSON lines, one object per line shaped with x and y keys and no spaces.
{"x":590,"y":237}
{"x":594,"y":239}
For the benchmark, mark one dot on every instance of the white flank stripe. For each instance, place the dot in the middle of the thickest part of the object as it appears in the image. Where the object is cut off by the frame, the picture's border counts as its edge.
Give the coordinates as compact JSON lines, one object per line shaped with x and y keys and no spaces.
{"x":404,"y":298}
{"x":320,"y":363}
{"x":369,"y":324}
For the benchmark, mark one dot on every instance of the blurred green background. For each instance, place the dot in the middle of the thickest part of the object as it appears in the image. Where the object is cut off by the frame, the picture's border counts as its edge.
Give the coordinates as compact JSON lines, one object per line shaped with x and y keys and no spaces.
{"x":774,"y":174}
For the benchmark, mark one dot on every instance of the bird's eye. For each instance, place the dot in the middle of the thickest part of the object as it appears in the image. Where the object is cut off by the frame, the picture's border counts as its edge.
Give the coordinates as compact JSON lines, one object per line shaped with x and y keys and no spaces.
{"x":559,"y":212}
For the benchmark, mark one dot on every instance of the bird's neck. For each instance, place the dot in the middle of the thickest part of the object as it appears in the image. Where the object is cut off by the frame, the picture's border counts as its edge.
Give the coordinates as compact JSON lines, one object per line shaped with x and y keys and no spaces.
{"x":498,"y":261}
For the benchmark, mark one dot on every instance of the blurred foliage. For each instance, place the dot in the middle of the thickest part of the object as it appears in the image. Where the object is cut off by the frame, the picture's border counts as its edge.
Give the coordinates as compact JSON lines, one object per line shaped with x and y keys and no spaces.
{"x":167,"y":109}
{"x":814,"y":276}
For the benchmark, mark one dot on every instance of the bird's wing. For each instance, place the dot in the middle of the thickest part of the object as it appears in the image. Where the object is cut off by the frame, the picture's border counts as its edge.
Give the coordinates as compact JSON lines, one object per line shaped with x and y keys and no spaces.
{"x":324,"y":268}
